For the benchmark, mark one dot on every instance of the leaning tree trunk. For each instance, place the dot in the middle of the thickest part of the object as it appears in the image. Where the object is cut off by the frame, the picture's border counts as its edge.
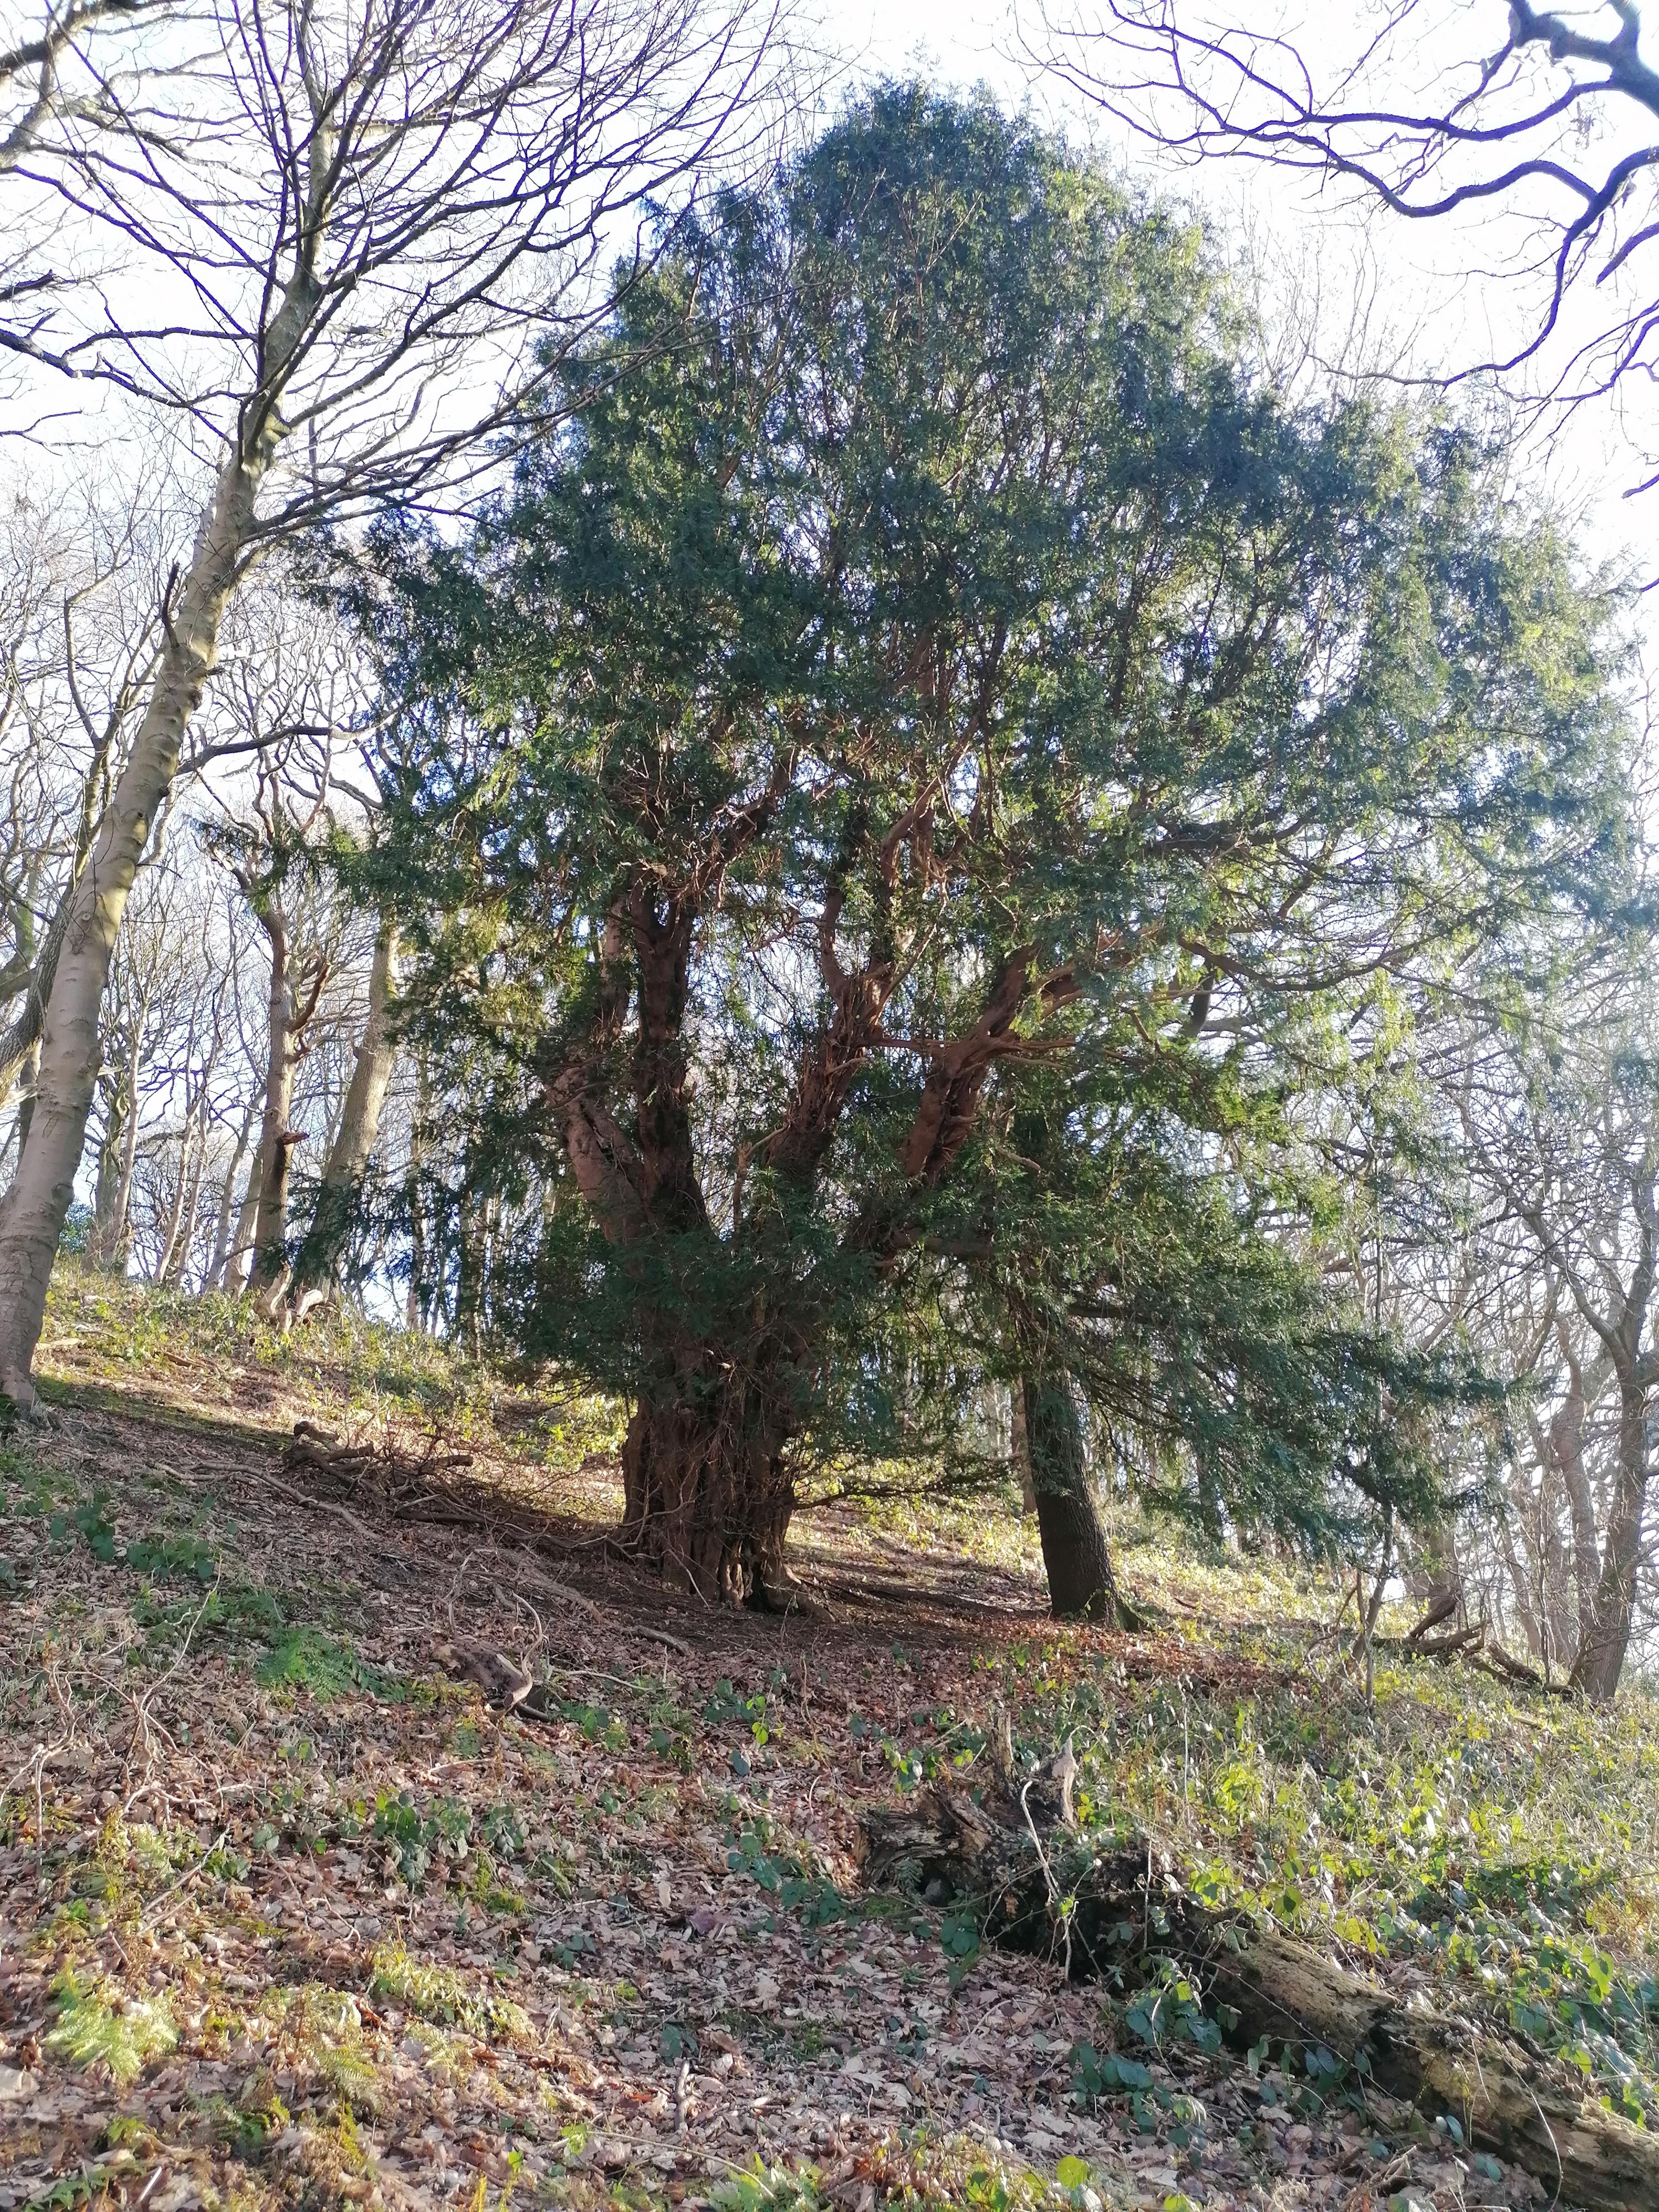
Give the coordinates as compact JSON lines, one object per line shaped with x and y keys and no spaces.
{"x":1606,"y":1635}
{"x":32,"y":1214}
{"x":19,"y":1043}
{"x":1100,"y":1913}
{"x":707,"y":1495}
{"x":1081,"y":1583}
{"x":347,"y":1165}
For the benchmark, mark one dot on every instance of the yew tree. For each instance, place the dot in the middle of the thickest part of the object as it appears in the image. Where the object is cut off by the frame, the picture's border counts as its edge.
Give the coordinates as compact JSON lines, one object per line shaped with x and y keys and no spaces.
{"x":922,"y":665}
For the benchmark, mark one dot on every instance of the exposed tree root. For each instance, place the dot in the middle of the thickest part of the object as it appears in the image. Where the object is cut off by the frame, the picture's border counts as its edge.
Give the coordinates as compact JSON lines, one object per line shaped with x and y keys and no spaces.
{"x":1047,"y":1894}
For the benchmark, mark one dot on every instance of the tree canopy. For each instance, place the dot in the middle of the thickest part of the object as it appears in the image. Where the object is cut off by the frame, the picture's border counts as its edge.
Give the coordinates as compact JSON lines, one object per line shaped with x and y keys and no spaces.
{"x":912,"y":794}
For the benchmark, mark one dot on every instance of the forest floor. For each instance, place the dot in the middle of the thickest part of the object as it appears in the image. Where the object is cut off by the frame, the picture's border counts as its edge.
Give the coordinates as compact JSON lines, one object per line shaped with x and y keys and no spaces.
{"x":289,"y":1916}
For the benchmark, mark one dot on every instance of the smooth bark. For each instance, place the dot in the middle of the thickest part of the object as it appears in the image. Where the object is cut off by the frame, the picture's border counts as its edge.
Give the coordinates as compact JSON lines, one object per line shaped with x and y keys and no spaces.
{"x":1020,"y":1446}
{"x":114,"y":1239}
{"x":295,"y":988}
{"x":347,"y":1165}
{"x":34,"y":1209}
{"x":239,"y":1258}
{"x":219,"y":1257}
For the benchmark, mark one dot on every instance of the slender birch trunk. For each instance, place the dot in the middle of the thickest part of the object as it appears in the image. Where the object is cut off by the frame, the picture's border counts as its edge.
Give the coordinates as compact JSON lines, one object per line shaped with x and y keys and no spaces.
{"x":355,"y":1139}
{"x":239,"y":1260}
{"x":219,"y":1258}
{"x":117,"y":1240}
{"x":268,"y":1276}
{"x":33,"y":1210}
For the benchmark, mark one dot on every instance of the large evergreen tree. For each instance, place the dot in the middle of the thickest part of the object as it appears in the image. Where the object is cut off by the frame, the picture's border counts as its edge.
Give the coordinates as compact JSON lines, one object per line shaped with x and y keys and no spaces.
{"x":941,"y":675}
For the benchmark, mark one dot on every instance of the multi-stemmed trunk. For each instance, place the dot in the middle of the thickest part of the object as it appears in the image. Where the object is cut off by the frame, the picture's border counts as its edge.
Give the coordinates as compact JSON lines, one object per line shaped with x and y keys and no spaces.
{"x":708,"y":1497}
{"x":343,"y":1173}
{"x":728,"y":1362}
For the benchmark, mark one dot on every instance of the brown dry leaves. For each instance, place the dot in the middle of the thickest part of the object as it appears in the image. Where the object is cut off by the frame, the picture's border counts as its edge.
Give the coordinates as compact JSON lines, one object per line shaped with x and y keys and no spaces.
{"x":414,"y":1953}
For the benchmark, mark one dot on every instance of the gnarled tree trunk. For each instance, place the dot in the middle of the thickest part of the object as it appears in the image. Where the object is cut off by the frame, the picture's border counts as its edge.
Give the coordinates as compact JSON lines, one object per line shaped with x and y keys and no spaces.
{"x":706,"y":1493}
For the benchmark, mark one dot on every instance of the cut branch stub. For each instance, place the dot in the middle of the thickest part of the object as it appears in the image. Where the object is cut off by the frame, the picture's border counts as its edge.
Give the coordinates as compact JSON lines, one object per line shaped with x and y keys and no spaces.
{"x":1100,"y":1911}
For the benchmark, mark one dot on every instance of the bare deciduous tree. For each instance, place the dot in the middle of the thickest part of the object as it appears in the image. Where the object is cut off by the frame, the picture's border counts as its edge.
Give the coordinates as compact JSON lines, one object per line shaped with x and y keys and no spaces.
{"x":350,"y":223}
{"x":1544,"y":118}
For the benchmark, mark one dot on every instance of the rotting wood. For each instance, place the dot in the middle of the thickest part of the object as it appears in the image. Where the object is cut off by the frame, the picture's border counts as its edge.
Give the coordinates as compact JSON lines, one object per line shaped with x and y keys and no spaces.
{"x":1097,"y":1912}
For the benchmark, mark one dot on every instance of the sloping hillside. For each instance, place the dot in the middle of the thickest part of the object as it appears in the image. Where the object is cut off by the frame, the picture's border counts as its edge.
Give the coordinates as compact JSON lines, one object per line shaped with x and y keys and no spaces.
{"x":291,"y":1916}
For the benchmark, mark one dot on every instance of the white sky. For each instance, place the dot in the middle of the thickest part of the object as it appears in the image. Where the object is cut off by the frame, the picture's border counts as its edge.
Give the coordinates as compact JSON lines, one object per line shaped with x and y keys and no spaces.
{"x":1426,"y":286}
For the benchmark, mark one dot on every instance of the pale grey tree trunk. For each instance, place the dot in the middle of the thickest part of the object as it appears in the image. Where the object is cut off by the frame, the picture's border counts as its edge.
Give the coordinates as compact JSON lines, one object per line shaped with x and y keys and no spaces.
{"x":28,"y":1081}
{"x":33,"y":1210}
{"x":1566,"y":1448}
{"x":175,"y":1220}
{"x":240,"y":1259}
{"x":268,"y":1275}
{"x":181,"y":1222}
{"x":1020,"y":1442}
{"x":219,"y":1258}
{"x":415,"y":1302}
{"x":1605,"y":1634}
{"x":111,"y":1159}
{"x":114,"y":1241}
{"x":355,"y":1139}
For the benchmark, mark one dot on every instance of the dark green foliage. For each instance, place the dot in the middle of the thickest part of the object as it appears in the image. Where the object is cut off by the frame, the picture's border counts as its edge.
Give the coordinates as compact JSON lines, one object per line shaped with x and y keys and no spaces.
{"x":910,"y":811}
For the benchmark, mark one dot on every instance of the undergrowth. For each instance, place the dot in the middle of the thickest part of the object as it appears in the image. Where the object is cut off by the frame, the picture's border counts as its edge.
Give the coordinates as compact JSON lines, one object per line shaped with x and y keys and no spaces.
{"x":1501,"y":1843}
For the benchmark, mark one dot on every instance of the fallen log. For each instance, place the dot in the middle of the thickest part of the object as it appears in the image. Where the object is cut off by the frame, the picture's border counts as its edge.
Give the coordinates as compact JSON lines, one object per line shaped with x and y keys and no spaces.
{"x":1098,"y":1913}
